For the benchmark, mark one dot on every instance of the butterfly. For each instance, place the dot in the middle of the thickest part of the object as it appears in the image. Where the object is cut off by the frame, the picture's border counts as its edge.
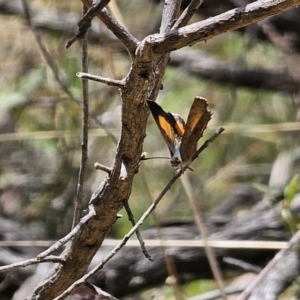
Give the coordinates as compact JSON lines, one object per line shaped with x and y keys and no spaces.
{"x":181,"y":137}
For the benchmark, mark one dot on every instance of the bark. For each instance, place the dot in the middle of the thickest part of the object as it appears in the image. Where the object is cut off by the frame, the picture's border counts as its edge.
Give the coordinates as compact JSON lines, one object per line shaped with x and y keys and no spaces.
{"x":142,"y":82}
{"x":233,"y":19}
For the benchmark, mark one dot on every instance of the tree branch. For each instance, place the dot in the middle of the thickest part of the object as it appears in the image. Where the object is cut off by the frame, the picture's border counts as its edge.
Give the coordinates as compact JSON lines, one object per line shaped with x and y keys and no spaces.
{"x":233,"y":19}
{"x":85,"y":131}
{"x":86,"y":22}
{"x":31,"y":261}
{"x":170,"y":11}
{"x":69,"y":236}
{"x":128,"y":40}
{"x":108,"y":81}
{"x":169,"y":15}
{"x":188,"y":13}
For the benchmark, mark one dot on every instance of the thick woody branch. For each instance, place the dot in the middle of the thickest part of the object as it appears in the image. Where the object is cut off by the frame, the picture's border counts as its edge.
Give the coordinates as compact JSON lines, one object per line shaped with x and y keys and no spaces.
{"x":233,"y":19}
{"x":169,"y":15}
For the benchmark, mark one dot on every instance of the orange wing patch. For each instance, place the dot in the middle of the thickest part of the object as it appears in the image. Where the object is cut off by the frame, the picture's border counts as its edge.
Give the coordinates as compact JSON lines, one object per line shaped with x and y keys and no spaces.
{"x":179,"y":125}
{"x":165,"y":125}
{"x":197,"y":111}
{"x":182,"y":138}
{"x":196,"y":123}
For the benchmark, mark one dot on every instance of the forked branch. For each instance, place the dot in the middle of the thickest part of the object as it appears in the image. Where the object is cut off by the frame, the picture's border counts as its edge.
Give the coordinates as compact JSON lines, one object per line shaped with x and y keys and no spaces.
{"x":230,"y":20}
{"x":128,"y":40}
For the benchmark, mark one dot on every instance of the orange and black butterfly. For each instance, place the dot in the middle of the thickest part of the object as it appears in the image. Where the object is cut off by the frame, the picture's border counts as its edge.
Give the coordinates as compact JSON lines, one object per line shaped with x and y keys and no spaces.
{"x":182,"y":137}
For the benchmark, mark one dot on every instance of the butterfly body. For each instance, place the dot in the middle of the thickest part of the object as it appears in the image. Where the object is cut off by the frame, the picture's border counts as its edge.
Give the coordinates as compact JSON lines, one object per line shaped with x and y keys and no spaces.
{"x":181,"y":137}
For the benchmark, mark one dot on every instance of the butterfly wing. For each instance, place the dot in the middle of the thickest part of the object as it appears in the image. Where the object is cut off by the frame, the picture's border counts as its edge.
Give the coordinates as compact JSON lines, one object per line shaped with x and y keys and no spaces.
{"x":196,"y":123}
{"x":167,"y":126}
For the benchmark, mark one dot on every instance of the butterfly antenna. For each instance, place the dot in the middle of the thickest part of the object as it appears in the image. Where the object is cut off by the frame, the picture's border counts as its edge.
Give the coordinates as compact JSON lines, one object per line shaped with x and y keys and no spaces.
{"x":144,"y":157}
{"x":154,"y":157}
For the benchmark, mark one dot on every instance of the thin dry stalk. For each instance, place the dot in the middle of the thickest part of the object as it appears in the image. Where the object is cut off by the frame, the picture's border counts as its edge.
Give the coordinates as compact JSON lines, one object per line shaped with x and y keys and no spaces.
{"x":200,"y":225}
{"x":85,"y":130}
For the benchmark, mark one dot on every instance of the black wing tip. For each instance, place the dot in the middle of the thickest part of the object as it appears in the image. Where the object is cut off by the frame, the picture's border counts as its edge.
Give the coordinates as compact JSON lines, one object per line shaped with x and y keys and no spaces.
{"x":152,"y":103}
{"x":155,"y":108}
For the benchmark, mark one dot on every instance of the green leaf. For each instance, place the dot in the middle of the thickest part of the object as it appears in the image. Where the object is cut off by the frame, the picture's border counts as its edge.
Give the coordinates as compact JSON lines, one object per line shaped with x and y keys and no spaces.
{"x":289,"y":220}
{"x":292,"y":189}
{"x":264,"y":189}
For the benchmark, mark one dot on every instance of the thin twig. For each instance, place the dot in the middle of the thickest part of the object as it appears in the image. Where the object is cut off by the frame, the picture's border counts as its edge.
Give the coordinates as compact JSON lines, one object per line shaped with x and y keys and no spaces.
{"x":128,"y":40}
{"x":70,"y":235}
{"x":187,"y":13}
{"x":103,"y":126}
{"x":242,"y":264}
{"x":207,"y":143}
{"x":7,"y":281}
{"x":138,"y":234}
{"x":103,"y":168}
{"x":86,"y":21}
{"x":46,"y":54}
{"x":170,"y":264}
{"x":282,"y":41}
{"x":108,"y":81}
{"x":85,"y":131}
{"x":100,"y":292}
{"x":31,"y":261}
{"x":84,"y":278}
{"x":200,"y":225}
{"x":215,"y":295}
{"x":246,"y":293}
{"x":220,"y":244}
{"x":144,"y":156}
